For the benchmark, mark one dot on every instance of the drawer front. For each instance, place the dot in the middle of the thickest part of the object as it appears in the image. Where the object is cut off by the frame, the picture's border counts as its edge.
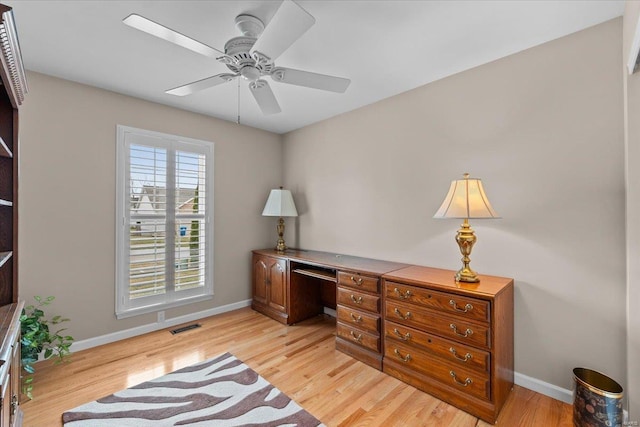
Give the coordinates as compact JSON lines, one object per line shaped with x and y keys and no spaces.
{"x":467,"y":381}
{"x":470,"y":308}
{"x":446,"y":326}
{"x":359,"y":319}
{"x":357,"y":336}
{"x":357,"y":281}
{"x":450,"y":351}
{"x":359,"y":300}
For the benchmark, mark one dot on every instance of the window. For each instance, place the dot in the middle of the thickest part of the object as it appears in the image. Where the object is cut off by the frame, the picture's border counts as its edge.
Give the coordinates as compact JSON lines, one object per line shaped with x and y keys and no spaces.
{"x":164,"y":221}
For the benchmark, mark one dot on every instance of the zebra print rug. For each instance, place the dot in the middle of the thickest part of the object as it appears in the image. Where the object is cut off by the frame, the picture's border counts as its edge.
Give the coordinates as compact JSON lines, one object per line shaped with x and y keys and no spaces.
{"x":218,"y":392}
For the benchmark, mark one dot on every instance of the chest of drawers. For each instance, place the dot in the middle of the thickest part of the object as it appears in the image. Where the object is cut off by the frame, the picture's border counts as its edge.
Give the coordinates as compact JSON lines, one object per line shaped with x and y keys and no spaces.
{"x":359,"y":318}
{"x":452,"y":340}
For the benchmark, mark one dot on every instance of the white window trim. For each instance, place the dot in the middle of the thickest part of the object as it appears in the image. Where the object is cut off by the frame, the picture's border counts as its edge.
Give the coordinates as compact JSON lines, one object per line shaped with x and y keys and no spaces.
{"x":123,"y":308}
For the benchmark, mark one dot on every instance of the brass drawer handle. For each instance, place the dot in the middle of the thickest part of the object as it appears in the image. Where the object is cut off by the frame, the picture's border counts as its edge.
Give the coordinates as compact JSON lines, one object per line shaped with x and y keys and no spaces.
{"x":405,"y":359}
{"x":467,"y":307}
{"x":466,"y":357}
{"x":357,"y":338}
{"x":467,"y":333}
{"x":402,"y":316}
{"x":405,"y":337}
{"x":457,"y":381}
{"x":357,"y":281}
{"x":357,"y":301}
{"x":356,"y":319}
{"x":402,"y":295}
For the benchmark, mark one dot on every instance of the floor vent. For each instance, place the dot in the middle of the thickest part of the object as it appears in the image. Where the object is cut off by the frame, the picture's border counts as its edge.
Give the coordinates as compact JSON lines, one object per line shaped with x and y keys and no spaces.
{"x":185,"y":328}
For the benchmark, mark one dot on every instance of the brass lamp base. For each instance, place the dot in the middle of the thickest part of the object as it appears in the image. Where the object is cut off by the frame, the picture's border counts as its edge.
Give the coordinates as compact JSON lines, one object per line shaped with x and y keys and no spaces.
{"x":466,"y":238}
{"x":467,"y":275}
{"x":280,"y":246}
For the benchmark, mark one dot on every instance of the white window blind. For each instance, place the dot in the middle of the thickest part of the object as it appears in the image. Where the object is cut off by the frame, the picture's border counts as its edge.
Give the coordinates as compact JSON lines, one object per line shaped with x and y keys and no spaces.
{"x":164,"y":221}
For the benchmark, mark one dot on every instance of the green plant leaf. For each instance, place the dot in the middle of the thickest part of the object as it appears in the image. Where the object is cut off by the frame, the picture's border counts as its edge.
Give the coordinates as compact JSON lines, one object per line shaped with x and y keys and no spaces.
{"x":37,"y":337}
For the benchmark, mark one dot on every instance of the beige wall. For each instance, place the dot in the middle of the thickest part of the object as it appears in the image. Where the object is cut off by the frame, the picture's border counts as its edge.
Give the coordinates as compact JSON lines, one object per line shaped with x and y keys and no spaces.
{"x":632,"y":145}
{"x":544,"y":129}
{"x":67,"y":198}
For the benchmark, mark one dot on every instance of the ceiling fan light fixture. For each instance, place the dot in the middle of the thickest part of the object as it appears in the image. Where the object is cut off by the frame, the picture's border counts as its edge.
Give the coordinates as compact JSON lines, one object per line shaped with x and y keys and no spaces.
{"x":250,"y":73}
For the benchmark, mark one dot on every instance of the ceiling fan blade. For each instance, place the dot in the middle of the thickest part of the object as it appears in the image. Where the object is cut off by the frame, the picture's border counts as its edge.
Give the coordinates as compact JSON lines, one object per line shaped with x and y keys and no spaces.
{"x":150,"y":27}
{"x":288,"y":24}
{"x":201,"y":84}
{"x":264,"y":97}
{"x":308,"y":79}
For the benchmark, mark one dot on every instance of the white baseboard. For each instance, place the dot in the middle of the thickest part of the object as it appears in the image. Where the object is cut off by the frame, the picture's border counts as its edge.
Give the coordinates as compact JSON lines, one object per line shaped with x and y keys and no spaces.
{"x":139,"y":330}
{"x":545,"y":388}
{"x":522,"y":380}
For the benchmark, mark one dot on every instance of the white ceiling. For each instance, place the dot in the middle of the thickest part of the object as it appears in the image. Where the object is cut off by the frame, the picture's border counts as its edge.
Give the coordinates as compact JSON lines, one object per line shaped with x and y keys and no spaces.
{"x":384,"y":47}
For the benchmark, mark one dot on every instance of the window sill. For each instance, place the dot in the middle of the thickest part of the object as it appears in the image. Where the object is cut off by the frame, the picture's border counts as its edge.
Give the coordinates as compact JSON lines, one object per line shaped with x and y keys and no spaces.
{"x":163,"y":306}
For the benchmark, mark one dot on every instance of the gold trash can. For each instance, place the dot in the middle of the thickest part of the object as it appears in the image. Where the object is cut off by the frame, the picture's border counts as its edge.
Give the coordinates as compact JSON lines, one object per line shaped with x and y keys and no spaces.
{"x":597,"y":400}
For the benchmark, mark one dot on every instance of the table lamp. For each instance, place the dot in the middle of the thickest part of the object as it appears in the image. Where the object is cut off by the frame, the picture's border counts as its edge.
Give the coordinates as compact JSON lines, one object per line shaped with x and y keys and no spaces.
{"x":280,"y":204}
{"x":466,"y":199}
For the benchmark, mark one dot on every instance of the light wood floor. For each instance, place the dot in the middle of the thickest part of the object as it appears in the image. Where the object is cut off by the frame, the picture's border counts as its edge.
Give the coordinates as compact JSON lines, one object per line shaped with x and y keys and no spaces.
{"x":300,"y":360}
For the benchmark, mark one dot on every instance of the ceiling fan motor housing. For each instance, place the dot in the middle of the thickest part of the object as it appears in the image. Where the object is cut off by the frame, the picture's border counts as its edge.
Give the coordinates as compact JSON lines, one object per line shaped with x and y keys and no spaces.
{"x":239,"y":48}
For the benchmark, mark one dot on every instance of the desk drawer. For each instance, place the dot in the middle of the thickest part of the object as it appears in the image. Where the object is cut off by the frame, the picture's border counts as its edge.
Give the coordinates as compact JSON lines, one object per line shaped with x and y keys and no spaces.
{"x":359,"y":319}
{"x":452,"y":327}
{"x":466,"y":307}
{"x":451,"y":351}
{"x":357,"y":336}
{"x":359,"y":282}
{"x":464,"y":380}
{"x":359,"y":300}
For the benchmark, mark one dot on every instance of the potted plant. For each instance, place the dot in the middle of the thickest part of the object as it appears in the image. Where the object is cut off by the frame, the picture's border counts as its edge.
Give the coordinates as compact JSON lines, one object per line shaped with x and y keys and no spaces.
{"x":38,"y":338}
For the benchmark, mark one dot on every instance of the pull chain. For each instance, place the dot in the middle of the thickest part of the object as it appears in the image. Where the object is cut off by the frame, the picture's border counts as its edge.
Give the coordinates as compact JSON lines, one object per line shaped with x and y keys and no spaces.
{"x":238,"y":122}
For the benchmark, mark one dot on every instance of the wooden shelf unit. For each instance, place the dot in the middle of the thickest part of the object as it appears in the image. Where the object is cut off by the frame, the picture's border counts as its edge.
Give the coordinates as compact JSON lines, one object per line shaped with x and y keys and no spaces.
{"x":12,"y":91}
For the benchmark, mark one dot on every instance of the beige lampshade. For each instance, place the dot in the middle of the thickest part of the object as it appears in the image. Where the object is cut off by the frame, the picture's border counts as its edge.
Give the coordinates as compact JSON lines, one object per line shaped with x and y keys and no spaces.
{"x":466,"y":199}
{"x":280,"y":203}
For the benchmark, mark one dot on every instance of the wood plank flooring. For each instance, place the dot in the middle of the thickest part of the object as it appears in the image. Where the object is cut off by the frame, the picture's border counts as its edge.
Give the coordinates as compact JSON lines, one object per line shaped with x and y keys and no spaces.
{"x":300,"y":360}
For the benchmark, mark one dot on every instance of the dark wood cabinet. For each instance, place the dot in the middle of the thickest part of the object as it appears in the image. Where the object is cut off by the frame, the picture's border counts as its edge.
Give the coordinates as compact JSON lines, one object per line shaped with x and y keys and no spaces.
{"x":12,"y":93}
{"x":10,"y":369}
{"x":259,"y":279}
{"x":270,"y":286}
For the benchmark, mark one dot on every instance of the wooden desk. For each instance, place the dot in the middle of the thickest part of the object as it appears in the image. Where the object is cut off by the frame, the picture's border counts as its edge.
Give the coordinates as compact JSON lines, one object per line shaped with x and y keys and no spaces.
{"x":298,"y":284}
{"x":452,"y":340}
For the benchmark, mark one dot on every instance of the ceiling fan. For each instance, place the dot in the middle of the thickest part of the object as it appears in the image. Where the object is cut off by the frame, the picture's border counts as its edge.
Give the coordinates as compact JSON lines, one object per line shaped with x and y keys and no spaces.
{"x":252,"y":55}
